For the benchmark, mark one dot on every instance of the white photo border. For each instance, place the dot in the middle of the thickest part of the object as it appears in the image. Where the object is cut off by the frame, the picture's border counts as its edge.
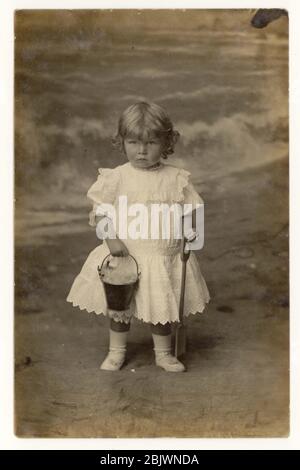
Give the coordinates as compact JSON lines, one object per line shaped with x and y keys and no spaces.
{"x":8,"y":439}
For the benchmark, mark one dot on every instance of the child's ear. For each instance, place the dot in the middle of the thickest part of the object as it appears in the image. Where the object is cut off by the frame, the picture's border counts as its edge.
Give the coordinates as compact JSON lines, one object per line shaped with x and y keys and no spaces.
{"x":176,"y":136}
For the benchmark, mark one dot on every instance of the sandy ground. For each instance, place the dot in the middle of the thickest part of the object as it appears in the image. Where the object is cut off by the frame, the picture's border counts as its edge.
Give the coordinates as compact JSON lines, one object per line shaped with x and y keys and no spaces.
{"x":236,"y":382}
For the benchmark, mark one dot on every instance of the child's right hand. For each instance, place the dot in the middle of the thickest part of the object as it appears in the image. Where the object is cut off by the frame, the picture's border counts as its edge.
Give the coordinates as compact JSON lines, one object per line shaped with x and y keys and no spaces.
{"x":117,"y":247}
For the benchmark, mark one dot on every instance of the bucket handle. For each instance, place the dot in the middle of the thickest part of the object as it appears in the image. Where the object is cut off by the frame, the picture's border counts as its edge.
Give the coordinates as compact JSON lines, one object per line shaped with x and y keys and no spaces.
{"x":102,"y":274}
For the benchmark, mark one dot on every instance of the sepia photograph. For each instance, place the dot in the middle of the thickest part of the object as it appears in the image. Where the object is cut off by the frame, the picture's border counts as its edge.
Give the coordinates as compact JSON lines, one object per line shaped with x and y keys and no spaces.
{"x":151,"y":223}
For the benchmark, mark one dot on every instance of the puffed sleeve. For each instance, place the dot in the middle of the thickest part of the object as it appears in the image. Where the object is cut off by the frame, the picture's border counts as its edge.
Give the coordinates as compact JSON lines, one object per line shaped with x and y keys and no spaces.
{"x":103,"y":191}
{"x":189,"y":195}
{"x":192,"y":200}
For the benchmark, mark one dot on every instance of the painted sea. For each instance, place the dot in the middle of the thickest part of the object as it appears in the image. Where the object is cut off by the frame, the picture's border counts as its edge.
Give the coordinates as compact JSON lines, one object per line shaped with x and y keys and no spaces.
{"x":223,"y":82}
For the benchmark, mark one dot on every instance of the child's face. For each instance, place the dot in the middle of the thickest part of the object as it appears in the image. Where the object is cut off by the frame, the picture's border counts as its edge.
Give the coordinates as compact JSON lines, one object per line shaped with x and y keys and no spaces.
{"x":143,"y":152}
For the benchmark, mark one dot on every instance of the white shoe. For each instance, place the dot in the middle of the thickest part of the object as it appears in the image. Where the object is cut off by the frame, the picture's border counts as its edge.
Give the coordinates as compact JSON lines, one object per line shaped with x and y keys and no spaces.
{"x":168,"y":362}
{"x":114,"y":360}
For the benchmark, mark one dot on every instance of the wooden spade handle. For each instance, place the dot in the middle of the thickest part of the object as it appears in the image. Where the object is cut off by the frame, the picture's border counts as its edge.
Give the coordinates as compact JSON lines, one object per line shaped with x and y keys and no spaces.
{"x":183,"y":254}
{"x":184,"y":257}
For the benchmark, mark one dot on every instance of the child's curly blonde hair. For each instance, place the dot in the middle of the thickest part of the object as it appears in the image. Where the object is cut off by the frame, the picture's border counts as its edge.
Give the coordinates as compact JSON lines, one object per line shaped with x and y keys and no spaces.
{"x":144,"y":119}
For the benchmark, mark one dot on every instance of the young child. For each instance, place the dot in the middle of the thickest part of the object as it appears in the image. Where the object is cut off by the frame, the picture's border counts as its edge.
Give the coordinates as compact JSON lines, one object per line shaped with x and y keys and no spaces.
{"x":146,"y":136}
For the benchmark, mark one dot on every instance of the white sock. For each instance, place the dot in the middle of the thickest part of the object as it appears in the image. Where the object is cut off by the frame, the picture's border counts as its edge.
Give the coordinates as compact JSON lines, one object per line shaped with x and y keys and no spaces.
{"x":117,"y":350}
{"x":163,"y":356}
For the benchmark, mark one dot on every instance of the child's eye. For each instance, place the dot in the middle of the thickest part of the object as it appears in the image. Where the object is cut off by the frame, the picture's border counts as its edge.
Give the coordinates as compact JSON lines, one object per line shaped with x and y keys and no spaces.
{"x":152,"y":142}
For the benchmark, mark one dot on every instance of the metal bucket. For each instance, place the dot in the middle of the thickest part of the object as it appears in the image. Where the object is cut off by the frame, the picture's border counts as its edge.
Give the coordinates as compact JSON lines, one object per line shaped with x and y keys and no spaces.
{"x":118,"y":296}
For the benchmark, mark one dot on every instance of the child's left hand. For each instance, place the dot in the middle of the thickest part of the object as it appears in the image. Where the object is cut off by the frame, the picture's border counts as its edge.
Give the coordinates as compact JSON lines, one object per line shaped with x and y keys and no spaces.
{"x":191,"y":235}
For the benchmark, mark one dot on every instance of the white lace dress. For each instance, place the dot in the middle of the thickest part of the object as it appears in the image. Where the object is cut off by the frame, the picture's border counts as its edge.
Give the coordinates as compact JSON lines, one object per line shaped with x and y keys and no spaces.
{"x":157,"y":297}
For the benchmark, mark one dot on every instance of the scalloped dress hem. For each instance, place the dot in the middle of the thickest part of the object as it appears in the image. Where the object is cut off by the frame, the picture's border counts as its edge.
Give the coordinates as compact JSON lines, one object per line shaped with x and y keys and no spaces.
{"x":137,"y":317}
